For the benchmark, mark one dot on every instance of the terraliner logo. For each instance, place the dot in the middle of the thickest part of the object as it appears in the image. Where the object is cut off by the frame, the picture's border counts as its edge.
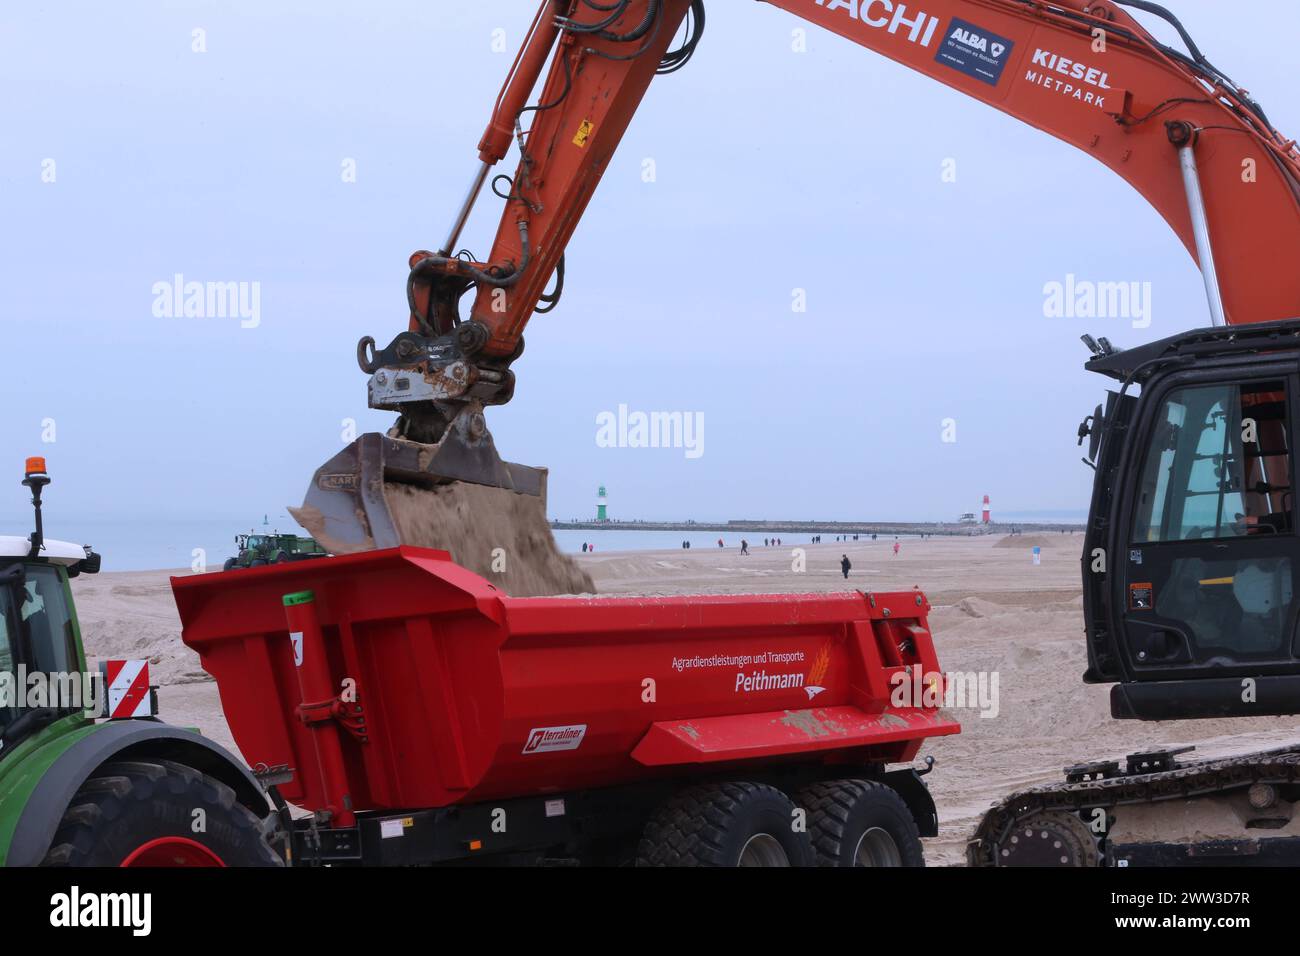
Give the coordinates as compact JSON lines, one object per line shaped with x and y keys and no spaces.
{"x":549,"y":739}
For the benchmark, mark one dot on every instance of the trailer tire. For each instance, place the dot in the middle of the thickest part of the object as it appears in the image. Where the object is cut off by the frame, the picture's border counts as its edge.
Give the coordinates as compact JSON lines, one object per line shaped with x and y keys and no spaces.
{"x":860,"y":823}
{"x":142,"y":813}
{"x":725,"y":824}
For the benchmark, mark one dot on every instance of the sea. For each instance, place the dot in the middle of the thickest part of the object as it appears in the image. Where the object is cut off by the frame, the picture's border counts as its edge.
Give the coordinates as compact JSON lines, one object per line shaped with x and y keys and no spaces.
{"x":157,"y":544}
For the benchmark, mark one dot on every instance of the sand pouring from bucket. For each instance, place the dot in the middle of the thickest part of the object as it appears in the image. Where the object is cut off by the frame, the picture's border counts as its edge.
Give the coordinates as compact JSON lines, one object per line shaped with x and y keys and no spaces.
{"x":346,"y":508}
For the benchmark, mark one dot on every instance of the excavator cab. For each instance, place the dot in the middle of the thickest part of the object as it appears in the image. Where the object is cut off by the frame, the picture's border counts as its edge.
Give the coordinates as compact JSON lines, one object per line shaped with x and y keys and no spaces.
{"x":1191,"y":560}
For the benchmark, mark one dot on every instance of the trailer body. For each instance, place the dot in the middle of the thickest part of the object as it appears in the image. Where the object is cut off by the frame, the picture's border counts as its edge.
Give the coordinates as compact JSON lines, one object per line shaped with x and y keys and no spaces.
{"x":397,"y":682}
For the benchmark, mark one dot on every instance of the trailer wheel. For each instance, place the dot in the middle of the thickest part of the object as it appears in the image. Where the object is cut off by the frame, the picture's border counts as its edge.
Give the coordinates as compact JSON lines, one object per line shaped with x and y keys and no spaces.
{"x":860,"y":823}
{"x":725,"y":824}
{"x":143,"y":813}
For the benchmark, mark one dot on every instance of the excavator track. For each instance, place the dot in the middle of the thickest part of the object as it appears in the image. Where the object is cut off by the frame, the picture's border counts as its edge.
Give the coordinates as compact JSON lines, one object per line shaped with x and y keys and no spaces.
{"x":1047,"y":826}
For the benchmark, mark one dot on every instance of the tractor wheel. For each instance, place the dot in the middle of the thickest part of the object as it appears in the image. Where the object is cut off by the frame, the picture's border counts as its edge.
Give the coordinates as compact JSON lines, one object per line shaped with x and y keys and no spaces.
{"x":257,"y":563}
{"x":147,"y":813}
{"x":860,"y":823}
{"x":281,"y":558}
{"x":230,"y":565}
{"x":725,"y":824}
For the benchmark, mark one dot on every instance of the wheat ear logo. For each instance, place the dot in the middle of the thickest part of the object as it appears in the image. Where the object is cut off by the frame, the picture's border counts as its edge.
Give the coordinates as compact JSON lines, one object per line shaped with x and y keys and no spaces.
{"x":817,"y":672}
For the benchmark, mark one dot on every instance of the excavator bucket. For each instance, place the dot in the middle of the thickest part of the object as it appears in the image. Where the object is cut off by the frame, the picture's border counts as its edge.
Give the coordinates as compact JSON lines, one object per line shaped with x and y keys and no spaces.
{"x":456,"y":495}
{"x":348,"y":507}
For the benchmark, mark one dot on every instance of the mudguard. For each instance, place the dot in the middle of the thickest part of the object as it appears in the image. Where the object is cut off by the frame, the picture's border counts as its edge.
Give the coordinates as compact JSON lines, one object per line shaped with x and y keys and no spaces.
{"x":907,"y":783}
{"x":118,"y":740}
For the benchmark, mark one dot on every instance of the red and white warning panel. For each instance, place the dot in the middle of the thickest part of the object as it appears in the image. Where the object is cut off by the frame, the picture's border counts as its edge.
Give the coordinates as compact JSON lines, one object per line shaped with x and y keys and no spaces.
{"x":128,"y":692}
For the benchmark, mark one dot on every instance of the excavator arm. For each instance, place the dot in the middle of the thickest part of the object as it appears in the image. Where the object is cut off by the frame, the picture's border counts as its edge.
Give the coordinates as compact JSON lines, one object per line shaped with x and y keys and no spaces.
{"x":1200,"y":150}
{"x":1086,"y":72}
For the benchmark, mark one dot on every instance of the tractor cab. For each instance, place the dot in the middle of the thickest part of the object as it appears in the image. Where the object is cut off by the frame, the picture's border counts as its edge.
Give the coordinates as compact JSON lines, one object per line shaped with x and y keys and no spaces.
{"x":38,"y":624}
{"x":1191,"y":563}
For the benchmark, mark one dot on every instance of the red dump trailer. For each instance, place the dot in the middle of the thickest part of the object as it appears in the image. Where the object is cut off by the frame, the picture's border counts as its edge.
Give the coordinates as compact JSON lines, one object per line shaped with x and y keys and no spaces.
{"x":423,"y":716}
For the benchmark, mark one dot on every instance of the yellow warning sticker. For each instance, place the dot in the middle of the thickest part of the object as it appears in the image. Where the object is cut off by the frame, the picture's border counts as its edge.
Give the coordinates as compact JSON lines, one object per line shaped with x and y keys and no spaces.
{"x":584,"y":133}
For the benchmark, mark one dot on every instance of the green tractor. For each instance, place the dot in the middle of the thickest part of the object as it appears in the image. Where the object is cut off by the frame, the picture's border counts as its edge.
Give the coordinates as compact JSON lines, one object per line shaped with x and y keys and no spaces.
{"x":256,"y":550}
{"x":88,"y":775}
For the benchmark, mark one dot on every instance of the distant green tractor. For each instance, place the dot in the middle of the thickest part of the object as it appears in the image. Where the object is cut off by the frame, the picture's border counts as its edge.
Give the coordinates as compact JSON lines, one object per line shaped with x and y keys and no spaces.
{"x":256,"y":550}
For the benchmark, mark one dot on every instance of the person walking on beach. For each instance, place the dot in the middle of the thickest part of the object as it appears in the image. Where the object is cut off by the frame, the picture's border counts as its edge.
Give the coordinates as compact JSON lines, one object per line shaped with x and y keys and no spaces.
{"x":744,"y":546}
{"x":896,"y":547}
{"x":845,"y":565}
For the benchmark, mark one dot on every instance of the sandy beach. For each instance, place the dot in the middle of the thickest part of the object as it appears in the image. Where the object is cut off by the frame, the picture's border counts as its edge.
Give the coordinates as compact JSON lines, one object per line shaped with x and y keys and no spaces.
{"x":994,"y":611}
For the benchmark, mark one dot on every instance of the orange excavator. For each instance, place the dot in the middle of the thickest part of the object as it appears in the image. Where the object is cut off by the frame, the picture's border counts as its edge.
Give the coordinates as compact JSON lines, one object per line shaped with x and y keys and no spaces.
{"x":1191,"y":565}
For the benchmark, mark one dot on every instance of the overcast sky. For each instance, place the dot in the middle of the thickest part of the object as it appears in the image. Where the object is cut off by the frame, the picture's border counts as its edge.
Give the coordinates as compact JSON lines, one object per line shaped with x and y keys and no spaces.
{"x":775,"y":171}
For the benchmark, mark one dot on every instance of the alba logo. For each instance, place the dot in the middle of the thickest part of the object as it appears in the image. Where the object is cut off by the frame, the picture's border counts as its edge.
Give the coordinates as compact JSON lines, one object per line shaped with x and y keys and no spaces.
{"x":550,"y":739}
{"x":977,"y":42}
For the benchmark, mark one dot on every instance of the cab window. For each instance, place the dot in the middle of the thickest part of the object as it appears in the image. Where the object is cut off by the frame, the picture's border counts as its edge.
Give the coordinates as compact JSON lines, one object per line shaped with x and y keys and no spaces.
{"x":8,"y":701}
{"x":45,"y":614}
{"x":1217,"y":465}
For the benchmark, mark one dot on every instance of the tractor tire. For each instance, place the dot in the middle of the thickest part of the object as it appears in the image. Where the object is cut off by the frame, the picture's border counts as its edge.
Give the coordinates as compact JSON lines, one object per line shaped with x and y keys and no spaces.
{"x":142,"y":813}
{"x":725,"y":824}
{"x":230,"y":565}
{"x":257,"y":563}
{"x":860,"y":823}
{"x":281,"y":558}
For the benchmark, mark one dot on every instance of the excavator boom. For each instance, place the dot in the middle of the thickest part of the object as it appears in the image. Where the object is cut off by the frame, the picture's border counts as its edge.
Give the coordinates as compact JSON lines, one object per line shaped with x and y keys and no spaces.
{"x":1087,"y":73}
{"x":1192,"y":142}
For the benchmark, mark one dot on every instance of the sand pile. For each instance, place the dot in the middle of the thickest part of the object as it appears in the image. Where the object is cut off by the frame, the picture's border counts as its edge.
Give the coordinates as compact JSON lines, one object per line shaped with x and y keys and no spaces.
{"x":501,"y":535}
{"x":978,"y":607}
{"x":1026,"y":541}
{"x":133,"y":617}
